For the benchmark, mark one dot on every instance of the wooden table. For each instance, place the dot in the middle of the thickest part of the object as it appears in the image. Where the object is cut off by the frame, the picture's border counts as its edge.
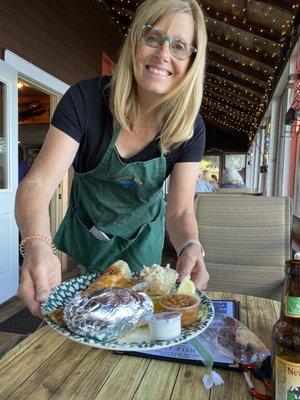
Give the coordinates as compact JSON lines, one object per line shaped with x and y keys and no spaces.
{"x":46,"y":365}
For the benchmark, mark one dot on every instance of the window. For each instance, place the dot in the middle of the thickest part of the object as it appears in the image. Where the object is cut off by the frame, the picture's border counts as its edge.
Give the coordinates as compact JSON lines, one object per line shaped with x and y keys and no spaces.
{"x":237,"y":162}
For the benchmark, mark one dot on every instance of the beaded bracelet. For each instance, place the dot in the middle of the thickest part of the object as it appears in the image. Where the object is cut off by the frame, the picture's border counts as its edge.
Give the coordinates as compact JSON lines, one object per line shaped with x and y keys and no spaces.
{"x":187,"y":242}
{"x":31,"y":238}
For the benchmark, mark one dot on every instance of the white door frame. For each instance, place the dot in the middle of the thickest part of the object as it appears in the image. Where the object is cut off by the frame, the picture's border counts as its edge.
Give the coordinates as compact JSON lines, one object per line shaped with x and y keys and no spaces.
{"x":9,"y":262}
{"x":39,"y":77}
{"x":56,"y":88}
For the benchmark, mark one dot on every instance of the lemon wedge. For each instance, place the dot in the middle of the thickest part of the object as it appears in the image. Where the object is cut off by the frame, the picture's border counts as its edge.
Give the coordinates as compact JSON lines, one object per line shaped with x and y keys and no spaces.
{"x":187,"y":286}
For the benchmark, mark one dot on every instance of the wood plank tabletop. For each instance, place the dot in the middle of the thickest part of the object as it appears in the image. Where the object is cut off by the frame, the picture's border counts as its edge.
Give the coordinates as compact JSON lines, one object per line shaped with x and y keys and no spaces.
{"x":47,"y":365}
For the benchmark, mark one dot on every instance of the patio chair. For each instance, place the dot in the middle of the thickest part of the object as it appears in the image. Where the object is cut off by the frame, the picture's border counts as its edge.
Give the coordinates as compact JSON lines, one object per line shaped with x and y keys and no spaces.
{"x":247,"y":240}
{"x":236,"y":190}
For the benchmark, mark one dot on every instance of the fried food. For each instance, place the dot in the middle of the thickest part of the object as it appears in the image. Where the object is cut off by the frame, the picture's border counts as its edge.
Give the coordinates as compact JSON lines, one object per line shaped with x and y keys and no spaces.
{"x":117,"y":275}
{"x":57,"y":316}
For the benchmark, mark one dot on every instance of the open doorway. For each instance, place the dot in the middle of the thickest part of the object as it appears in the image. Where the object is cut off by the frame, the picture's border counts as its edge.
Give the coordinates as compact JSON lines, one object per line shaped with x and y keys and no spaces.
{"x":33,"y":122}
{"x":35,"y":108}
{"x":46,"y":90}
{"x":34,"y":119}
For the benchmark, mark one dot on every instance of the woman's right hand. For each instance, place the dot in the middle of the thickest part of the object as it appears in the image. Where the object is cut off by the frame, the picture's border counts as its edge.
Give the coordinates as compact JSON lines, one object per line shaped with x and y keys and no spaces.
{"x":41,"y":272}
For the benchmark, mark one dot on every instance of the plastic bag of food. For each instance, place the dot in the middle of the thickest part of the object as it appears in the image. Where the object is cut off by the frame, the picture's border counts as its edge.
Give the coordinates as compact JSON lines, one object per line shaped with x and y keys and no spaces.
{"x":233,"y":339}
{"x":108,"y":313}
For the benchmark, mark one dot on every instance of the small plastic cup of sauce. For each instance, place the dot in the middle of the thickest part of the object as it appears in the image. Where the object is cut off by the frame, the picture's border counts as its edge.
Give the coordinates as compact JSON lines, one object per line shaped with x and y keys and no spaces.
{"x":165,"y":326}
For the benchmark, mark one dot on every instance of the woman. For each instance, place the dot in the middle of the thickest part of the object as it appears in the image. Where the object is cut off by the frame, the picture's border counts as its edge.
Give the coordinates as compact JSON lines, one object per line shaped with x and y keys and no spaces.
{"x":126,"y":137}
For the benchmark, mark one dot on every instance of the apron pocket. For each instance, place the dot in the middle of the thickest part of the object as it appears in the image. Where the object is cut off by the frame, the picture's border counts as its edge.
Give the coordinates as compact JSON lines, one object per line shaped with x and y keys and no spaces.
{"x":75,"y":239}
{"x":144,"y":248}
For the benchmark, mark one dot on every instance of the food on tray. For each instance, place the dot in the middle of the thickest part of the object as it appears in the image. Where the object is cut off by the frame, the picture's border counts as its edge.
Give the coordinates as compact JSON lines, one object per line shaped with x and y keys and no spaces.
{"x":116,"y":313}
{"x":160,"y":280}
{"x":108,"y":308}
{"x":117,"y":275}
{"x":187,"y":286}
{"x":186,"y":304}
{"x":108,"y":313}
{"x":57,"y":316}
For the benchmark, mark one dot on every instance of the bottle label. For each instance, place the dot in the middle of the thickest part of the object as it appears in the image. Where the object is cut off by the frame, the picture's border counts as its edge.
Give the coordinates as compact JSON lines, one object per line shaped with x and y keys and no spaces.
{"x":292,"y":306}
{"x":287,"y":380}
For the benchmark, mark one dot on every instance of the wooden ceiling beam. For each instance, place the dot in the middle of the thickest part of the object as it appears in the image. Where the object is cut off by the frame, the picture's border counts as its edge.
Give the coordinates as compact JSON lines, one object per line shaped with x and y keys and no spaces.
{"x":246,"y":93}
{"x":125,"y":12}
{"x":233,"y":46}
{"x":244,"y":69}
{"x":234,"y":79}
{"x":210,"y":93}
{"x":260,"y":31}
{"x":228,"y":112}
{"x":229,"y":118}
{"x":241,"y":106}
{"x":286,"y":5}
{"x":239,"y":96}
{"x":219,"y":120}
{"x":225,"y":128}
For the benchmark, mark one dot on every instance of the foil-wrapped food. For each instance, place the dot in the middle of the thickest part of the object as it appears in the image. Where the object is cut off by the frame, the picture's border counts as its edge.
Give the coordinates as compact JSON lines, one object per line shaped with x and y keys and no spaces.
{"x":108,"y":313}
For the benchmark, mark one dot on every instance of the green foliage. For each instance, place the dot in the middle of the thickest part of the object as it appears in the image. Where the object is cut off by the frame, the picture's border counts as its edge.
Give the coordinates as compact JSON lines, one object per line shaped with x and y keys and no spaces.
{"x":210,"y":164}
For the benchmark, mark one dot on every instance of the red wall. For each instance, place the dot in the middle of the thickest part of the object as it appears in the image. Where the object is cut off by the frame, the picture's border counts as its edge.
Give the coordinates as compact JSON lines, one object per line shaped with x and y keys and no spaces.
{"x":62,"y":37}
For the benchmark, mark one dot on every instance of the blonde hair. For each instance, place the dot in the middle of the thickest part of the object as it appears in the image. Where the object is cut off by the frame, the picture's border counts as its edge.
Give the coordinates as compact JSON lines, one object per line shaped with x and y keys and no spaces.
{"x":179,"y":108}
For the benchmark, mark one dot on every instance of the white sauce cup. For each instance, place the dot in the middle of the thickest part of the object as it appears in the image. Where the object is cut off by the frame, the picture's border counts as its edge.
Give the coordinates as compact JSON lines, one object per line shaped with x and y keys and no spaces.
{"x":165,"y":326}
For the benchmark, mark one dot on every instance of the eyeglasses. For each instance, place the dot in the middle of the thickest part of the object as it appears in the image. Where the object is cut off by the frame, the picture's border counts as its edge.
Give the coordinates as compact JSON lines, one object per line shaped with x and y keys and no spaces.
{"x":154,"y":37}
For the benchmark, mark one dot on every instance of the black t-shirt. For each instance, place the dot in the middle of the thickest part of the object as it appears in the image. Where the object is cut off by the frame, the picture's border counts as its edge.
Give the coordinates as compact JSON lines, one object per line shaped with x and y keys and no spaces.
{"x":83,"y":113}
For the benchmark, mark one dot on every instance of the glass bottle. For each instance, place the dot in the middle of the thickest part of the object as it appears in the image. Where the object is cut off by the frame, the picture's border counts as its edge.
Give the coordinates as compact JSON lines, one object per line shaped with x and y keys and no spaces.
{"x":286,"y":339}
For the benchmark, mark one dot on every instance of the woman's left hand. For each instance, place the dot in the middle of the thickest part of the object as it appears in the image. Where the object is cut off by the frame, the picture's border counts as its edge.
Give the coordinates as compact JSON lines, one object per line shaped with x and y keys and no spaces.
{"x":191,"y":263}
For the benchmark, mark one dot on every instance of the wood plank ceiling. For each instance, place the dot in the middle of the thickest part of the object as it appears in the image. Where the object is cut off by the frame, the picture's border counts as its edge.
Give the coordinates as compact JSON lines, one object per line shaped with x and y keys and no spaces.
{"x":249,"y":43}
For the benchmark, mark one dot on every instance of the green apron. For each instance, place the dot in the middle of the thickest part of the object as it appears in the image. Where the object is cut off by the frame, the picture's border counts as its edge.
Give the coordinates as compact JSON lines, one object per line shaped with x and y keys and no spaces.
{"x":123,"y":201}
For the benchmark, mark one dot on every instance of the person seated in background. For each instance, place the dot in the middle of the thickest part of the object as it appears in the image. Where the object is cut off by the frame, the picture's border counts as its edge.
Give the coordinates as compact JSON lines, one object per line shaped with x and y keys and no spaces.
{"x":214,"y":182}
{"x":206,"y":175}
{"x":232,"y":179}
{"x":202,"y":185}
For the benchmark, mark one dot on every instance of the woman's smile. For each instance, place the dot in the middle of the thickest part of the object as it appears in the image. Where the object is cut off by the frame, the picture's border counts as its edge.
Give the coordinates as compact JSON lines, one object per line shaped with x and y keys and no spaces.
{"x":156,"y":70}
